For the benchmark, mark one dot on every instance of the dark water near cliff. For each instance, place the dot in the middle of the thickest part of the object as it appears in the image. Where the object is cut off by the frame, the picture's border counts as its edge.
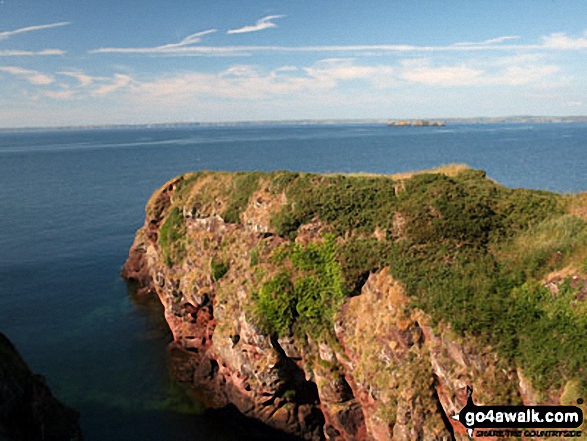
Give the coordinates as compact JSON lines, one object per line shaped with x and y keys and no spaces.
{"x":70,"y":202}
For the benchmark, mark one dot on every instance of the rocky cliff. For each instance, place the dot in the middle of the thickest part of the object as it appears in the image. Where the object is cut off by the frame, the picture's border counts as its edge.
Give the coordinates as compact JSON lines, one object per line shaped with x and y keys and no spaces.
{"x":359,"y":307}
{"x":28,"y":410}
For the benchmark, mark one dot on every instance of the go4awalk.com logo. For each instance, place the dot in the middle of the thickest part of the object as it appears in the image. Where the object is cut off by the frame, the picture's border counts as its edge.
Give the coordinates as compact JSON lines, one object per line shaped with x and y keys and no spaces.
{"x":518,"y":421}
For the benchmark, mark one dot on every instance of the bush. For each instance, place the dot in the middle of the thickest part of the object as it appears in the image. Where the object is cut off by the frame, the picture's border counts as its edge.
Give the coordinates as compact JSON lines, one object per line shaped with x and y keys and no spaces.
{"x":309,"y":303}
{"x":275,"y":304}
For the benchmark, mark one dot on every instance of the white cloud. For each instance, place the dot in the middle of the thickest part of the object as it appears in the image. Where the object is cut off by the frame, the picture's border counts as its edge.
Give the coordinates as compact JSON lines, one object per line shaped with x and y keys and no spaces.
{"x":562,"y":41}
{"x":119,"y":81}
{"x":263,"y":23}
{"x":235,"y":83}
{"x":333,"y":70}
{"x":242,"y":82}
{"x":553,"y":42}
{"x":182,"y":46}
{"x":32,"y":76}
{"x":489,"y":42}
{"x":7,"y":34}
{"x":21,"y":53}
{"x":190,"y":39}
{"x":250,"y":82}
{"x":511,"y":71}
{"x":88,"y":85}
{"x":239,"y":71}
{"x":421,"y":71}
{"x":84,"y":80}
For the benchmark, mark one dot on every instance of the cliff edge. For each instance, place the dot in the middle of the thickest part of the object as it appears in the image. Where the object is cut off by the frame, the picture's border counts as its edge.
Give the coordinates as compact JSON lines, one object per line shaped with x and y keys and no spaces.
{"x":360,"y":307}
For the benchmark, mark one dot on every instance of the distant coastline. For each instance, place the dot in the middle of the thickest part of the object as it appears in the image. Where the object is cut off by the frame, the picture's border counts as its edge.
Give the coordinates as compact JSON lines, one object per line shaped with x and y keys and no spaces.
{"x":303,"y":122}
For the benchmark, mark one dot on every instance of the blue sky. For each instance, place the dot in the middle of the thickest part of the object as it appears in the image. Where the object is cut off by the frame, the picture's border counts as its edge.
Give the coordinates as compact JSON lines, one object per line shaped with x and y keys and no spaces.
{"x":66,"y":62}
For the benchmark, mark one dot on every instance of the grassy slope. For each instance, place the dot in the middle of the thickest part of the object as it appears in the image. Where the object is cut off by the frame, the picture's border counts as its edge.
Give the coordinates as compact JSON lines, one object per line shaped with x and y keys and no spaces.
{"x":468,"y":251}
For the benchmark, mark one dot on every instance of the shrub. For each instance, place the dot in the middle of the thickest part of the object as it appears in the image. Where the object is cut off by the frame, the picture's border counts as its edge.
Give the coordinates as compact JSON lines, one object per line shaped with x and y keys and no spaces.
{"x":275,"y":304}
{"x":309,"y":303}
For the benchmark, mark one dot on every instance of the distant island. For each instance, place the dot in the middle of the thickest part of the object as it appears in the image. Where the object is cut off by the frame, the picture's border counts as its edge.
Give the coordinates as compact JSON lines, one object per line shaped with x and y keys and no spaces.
{"x":415,"y":123}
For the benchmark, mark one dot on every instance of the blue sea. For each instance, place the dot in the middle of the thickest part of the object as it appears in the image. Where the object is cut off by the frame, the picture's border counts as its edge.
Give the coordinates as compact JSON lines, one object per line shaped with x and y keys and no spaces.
{"x":71,"y":201}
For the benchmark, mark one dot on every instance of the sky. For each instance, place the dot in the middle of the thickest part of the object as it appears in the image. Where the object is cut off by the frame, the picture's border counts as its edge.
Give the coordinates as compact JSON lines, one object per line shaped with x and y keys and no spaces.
{"x":76,"y":62}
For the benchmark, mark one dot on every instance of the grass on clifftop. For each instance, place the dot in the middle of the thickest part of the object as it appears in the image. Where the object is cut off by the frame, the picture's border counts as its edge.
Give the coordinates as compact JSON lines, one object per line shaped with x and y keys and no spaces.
{"x":172,"y":237}
{"x":468,"y":251}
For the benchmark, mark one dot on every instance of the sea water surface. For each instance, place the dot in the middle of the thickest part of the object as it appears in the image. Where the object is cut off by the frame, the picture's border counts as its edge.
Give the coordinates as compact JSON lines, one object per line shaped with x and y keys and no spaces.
{"x":71,"y":201}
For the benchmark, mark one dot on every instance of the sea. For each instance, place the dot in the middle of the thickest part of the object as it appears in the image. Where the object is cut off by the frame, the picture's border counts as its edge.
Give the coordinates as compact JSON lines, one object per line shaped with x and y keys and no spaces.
{"x":71,"y":201}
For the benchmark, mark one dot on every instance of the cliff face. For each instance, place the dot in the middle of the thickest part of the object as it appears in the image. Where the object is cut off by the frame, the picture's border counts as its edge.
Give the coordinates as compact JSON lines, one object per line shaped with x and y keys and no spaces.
{"x":28,"y":410}
{"x":360,"y":307}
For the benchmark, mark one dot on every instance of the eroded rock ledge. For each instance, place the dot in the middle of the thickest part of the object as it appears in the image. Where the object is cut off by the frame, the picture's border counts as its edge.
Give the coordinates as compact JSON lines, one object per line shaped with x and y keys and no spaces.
{"x":288,"y":296}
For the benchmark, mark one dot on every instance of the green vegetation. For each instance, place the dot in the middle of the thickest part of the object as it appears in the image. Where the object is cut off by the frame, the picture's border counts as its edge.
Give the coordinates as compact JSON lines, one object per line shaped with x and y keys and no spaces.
{"x":254,"y":257}
{"x":344,"y":202}
{"x":172,"y":237}
{"x":185,"y":185}
{"x":320,"y":292}
{"x":243,"y":186}
{"x":307,"y":304}
{"x":219,"y":269}
{"x":546,"y":246}
{"x":276,"y":304}
{"x":551,"y":346}
{"x":280,"y":180}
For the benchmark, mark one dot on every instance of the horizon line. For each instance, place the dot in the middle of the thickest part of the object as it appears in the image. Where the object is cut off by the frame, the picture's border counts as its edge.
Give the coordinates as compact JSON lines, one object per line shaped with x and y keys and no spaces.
{"x":317,"y":121}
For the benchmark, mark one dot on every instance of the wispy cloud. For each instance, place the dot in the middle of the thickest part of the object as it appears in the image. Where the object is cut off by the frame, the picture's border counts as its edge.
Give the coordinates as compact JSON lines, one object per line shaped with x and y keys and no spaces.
{"x":263,"y":23}
{"x":490,"y":41}
{"x":119,"y":81}
{"x":7,"y":34}
{"x":32,"y":76}
{"x":90,"y":85}
{"x":83,"y":79}
{"x":84,"y":86}
{"x":21,"y":53}
{"x":552,"y":42}
{"x":190,"y":39}
{"x":179,"y":47}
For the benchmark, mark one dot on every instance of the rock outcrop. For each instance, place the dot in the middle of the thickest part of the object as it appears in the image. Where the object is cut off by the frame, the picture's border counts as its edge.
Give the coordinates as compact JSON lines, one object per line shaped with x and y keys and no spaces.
{"x":297,"y":298}
{"x":28,"y":410}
